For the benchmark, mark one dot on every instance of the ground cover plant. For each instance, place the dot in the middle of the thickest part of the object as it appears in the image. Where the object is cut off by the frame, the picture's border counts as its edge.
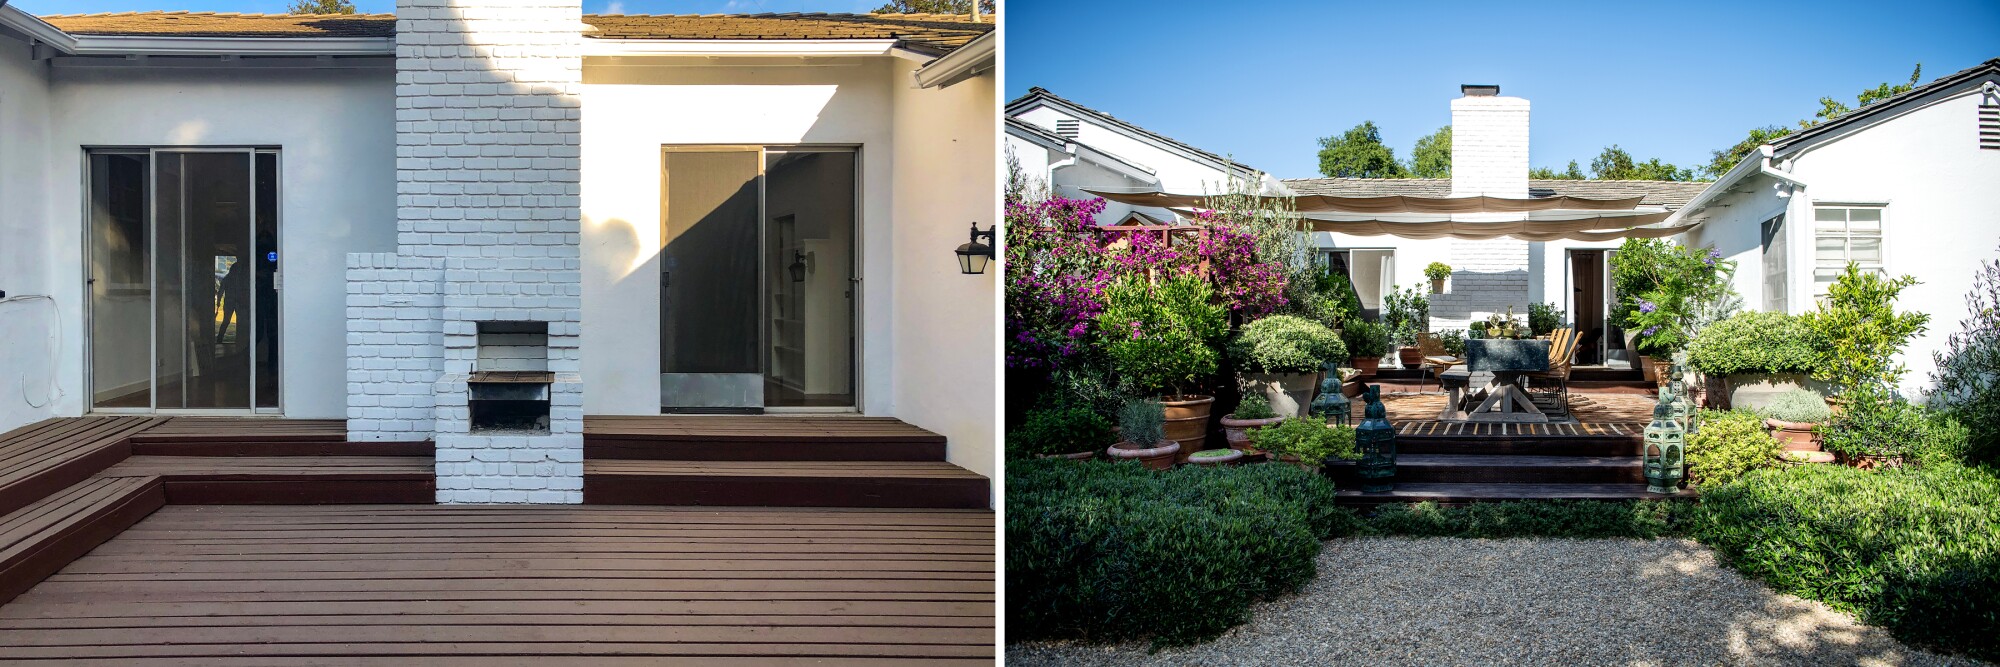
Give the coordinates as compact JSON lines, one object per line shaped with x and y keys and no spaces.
{"x":1059,"y":430}
{"x":1728,"y":445}
{"x":1640,"y":519}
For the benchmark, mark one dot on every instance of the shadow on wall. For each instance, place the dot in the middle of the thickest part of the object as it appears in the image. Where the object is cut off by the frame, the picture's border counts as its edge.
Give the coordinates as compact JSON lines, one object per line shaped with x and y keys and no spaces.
{"x":1476,"y":293}
{"x":28,"y":385}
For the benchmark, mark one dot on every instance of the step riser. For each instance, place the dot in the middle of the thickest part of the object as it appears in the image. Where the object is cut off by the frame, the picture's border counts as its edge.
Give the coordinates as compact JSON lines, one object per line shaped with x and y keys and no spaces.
{"x":1347,"y":475}
{"x":738,"y":491}
{"x":1572,"y":446}
{"x":55,"y":551}
{"x":301,"y":492}
{"x":283,"y":448}
{"x":803,"y":450}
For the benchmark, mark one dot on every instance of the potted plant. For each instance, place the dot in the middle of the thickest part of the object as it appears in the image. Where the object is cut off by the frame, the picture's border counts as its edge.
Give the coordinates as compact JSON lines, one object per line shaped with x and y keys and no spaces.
{"x":1280,"y":357}
{"x":1069,"y":432}
{"x":1437,"y":272}
{"x":1759,"y":357}
{"x":1454,"y":343}
{"x":1407,"y":352}
{"x":1165,"y":337}
{"x":1367,"y":342}
{"x":1874,"y":429}
{"x":1500,"y":326}
{"x":1252,"y":413}
{"x":1543,"y":319}
{"x":1407,"y":312}
{"x":1794,"y":418}
{"x":1142,"y":425}
{"x":1215,"y":458}
{"x":1306,"y":442}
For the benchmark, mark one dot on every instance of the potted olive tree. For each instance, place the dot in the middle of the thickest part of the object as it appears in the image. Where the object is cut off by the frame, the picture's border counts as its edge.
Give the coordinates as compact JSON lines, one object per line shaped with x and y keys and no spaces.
{"x":1437,"y":272}
{"x":1280,"y":357}
{"x":1142,"y":425}
{"x":1367,"y":342}
{"x":1794,"y":417}
{"x":1407,"y":312}
{"x":1252,"y":413}
{"x":1760,"y":357}
{"x":1306,"y":442}
{"x":1069,"y":432}
{"x":1164,"y":337}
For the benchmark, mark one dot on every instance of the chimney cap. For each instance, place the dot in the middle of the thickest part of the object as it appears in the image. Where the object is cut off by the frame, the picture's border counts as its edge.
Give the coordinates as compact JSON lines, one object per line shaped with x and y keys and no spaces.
{"x":1479,"y":89}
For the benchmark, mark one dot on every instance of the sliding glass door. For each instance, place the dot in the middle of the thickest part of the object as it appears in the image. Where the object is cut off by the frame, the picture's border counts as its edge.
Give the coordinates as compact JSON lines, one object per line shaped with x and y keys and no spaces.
{"x":183,"y":279}
{"x":758,"y":279}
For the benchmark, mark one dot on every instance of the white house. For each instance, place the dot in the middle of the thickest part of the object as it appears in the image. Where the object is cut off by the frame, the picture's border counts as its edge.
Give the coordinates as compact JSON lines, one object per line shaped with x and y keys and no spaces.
{"x":1909,"y":185}
{"x":349,"y":217}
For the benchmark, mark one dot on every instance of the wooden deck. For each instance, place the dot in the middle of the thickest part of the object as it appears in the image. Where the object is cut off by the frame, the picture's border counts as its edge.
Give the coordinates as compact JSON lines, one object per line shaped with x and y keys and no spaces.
{"x":42,"y":458}
{"x":766,"y":438}
{"x":455,"y":585}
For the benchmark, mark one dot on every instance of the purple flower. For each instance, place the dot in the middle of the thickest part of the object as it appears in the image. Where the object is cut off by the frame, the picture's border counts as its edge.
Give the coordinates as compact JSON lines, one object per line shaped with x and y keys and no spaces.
{"x":1650,"y":330}
{"x":1647,"y":306}
{"x":1713,"y":255}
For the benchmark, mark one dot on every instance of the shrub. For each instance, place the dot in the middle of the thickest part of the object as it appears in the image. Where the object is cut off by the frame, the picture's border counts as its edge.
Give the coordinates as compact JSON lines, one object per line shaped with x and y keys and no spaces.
{"x":1757,"y":342}
{"x":1063,"y":430}
{"x":1309,"y":438}
{"x":1406,"y":308}
{"x":1437,"y":271}
{"x":1162,"y":337}
{"x":1107,"y":552}
{"x":1668,"y":292}
{"x":1968,"y":369}
{"x":1644,"y":519}
{"x":1799,"y":406}
{"x":1543,"y":318}
{"x":1254,"y":406}
{"x":1862,"y":330}
{"x":1365,"y":339}
{"x":1286,"y":344}
{"x":1727,"y":445}
{"x":1914,"y":550}
{"x":1142,"y":422}
{"x":1454,"y":342}
{"x":1873,"y":423}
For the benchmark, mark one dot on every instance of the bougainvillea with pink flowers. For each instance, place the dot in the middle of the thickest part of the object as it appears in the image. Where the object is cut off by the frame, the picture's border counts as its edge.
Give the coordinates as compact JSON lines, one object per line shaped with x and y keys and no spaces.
{"x":1248,"y":287}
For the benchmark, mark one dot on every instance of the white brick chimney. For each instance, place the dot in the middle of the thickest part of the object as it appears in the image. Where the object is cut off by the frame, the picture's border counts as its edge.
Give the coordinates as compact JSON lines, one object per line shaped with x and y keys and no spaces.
{"x":1489,"y":144}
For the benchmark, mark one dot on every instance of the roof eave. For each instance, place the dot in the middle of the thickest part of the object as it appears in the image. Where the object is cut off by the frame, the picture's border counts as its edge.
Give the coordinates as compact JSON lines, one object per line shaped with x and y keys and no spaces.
{"x":1750,"y":165}
{"x":1225,"y":165}
{"x":804,"y":48}
{"x":153,"y":45}
{"x":965,"y":62}
{"x":36,"y":29}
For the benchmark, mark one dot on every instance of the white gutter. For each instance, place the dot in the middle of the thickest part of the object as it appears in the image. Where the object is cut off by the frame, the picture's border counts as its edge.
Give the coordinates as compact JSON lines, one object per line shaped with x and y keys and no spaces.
{"x":1757,"y":162}
{"x":106,"y":45}
{"x":596,"y":46}
{"x":965,"y":62}
{"x":37,"y":30}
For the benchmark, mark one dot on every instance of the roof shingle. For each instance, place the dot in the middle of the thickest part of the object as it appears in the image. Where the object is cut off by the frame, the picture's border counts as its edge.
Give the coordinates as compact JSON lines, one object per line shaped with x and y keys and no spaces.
{"x":214,"y":24}
{"x":1669,"y":194}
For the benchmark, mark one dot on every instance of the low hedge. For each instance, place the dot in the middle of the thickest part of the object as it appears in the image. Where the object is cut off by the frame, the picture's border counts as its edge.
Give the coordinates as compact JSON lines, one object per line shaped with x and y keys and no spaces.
{"x":1286,"y":344}
{"x":1727,"y":445}
{"x":1642,"y":519}
{"x":1110,"y":552}
{"x":1060,"y":430}
{"x":1915,"y":550}
{"x":1757,"y":342}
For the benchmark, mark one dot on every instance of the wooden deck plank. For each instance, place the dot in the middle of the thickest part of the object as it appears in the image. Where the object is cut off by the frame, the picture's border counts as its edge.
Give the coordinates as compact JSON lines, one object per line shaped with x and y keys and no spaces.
{"x":43,"y":458}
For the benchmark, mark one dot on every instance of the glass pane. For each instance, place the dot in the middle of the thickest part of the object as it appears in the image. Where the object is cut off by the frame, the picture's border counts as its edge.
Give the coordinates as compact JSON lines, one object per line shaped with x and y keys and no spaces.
{"x":121,"y":295}
{"x":1865,"y":249}
{"x":1830,"y":248}
{"x":170,"y":340}
{"x":205,"y":323}
{"x":1869,"y":219}
{"x":710,"y":351}
{"x":265,"y":300}
{"x":1830,"y":218}
{"x":809,"y":270}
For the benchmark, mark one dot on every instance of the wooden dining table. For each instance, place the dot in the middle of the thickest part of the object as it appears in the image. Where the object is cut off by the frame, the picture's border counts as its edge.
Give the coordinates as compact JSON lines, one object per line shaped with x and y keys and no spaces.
{"x":1501,"y":363}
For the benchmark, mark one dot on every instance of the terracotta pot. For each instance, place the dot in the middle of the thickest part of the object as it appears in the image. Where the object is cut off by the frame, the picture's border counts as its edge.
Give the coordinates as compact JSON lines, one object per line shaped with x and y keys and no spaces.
{"x":1251,"y":454}
{"x":1160,"y":456}
{"x":1796,"y":436}
{"x":1073,"y":456}
{"x":1237,"y":431}
{"x":1227,"y":457}
{"x":1351,"y":389}
{"x":1367,"y":365}
{"x":1187,"y":422}
{"x":1647,"y":370}
{"x":1437,"y":285}
{"x":1411,"y":356}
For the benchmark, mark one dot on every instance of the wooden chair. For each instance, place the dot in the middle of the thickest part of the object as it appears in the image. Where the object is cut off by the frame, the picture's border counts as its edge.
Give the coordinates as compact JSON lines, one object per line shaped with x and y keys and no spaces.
{"x":1436,"y":361}
{"x":1562,"y":355}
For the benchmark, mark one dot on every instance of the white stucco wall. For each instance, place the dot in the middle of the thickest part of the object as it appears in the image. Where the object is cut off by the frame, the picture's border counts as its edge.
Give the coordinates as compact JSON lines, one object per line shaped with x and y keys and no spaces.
{"x":631,"y":111}
{"x":946,"y":171}
{"x":29,"y":257}
{"x":336,"y":131}
{"x":1942,"y":214}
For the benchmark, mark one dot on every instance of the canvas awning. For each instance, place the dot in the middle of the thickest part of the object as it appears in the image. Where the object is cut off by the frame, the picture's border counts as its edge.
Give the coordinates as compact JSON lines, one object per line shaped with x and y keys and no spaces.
{"x":1389,"y":204}
{"x":1533,"y":219}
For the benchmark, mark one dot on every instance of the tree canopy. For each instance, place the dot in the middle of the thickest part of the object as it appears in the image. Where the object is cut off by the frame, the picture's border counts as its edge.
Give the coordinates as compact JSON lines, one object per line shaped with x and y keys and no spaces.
{"x":1431,"y":158}
{"x":1720,"y":162}
{"x":933,"y":7}
{"x":1359,"y":153}
{"x":321,"y":7}
{"x":1573,"y":173}
{"x":1615,"y":164}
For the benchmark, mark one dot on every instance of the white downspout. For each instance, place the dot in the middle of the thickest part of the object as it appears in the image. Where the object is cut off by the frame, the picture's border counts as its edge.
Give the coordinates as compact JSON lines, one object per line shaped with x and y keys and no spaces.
{"x":1053,"y":166}
{"x":1785,"y":176}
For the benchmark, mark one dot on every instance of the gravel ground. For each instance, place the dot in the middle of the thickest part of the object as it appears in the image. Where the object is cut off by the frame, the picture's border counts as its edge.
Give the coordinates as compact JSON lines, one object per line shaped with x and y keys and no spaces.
{"x":1441,"y":601}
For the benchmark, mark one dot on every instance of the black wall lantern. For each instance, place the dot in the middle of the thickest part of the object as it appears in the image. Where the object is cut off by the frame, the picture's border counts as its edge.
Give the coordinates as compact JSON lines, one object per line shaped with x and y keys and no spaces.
{"x":798,"y":267}
{"x":973,"y":257}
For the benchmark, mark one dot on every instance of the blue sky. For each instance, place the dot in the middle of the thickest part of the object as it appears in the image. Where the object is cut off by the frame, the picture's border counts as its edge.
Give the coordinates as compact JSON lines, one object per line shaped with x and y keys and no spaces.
{"x":387,"y":6}
{"x":1263,"y":80}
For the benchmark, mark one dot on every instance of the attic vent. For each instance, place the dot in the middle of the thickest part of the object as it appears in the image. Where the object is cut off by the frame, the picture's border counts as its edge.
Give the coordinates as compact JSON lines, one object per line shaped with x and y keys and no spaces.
{"x":1066,"y":128}
{"x":1989,"y":124}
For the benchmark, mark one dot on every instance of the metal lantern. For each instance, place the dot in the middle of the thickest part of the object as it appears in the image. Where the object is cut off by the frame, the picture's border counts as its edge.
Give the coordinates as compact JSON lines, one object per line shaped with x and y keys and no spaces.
{"x":1377,"y":441}
{"x":1666,"y":447}
{"x":1331,"y":404}
{"x":1679,"y":405}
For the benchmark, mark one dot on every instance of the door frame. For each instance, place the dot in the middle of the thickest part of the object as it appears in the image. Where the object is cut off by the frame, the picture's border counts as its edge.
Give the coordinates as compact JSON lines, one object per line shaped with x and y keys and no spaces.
{"x":152,"y":334}
{"x":859,"y":259}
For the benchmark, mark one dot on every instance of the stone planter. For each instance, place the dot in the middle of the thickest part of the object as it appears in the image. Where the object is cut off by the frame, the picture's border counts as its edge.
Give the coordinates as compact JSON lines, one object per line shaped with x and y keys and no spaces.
{"x":1073,"y":456}
{"x":1795,"y":436}
{"x":1290,"y":394}
{"x":1237,"y":431}
{"x":1187,"y":422}
{"x":1160,"y":456}
{"x":1755,"y":391}
{"x":1411,"y":356}
{"x":1215,"y":458}
{"x":1367,"y":365}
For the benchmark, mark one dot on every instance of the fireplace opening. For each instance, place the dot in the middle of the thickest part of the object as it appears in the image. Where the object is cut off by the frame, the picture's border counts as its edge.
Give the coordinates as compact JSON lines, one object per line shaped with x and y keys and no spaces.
{"x":508,"y":391}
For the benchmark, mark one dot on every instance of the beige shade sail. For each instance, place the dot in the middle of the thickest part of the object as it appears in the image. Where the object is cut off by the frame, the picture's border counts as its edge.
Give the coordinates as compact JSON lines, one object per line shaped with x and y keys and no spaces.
{"x":1389,"y":204}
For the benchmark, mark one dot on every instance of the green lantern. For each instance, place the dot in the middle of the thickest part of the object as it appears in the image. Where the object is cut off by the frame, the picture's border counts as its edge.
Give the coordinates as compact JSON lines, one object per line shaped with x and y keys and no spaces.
{"x":1331,"y":403}
{"x":1376,"y":440}
{"x":1666,"y":447}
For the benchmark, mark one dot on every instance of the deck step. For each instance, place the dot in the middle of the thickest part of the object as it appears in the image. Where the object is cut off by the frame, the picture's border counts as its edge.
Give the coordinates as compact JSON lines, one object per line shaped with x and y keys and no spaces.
{"x":1503,"y":469}
{"x":1460,"y":494}
{"x":1576,"y":445}
{"x":41,"y":538}
{"x":45,"y":457}
{"x":758,"y":438}
{"x":803,"y":449}
{"x":901,"y":484}
{"x":287,"y":480}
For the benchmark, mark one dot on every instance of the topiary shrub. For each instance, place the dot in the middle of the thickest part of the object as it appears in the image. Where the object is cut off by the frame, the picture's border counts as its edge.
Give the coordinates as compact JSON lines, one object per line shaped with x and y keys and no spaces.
{"x":1757,"y":342}
{"x":1728,"y":445}
{"x":1061,"y":430}
{"x":1437,"y":271}
{"x":1108,"y":552}
{"x":1798,"y":406}
{"x":1309,"y":438}
{"x":1915,"y":550}
{"x":1286,"y":344}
